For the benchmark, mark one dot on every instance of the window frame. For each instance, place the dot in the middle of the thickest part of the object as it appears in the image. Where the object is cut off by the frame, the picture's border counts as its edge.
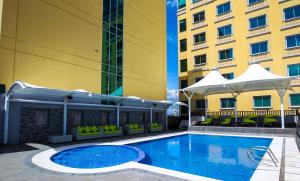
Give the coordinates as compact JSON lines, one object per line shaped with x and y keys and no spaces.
{"x":286,"y":44}
{"x":260,"y":53}
{"x":229,"y":73}
{"x":196,"y":43}
{"x":291,"y":19}
{"x":263,"y":107}
{"x":226,"y":59}
{"x":180,"y":21}
{"x":224,"y":27}
{"x":228,"y":2}
{"x":289,"y":71}
{"x":290,"y":100}
{"x":200,"y":59}
{"x":195,"y":22}
{"x":205,"y":104}
{"x":257,"y":2}
{"x":228,"y":108}
{"x":258,"y":27}
{"x":180,"y":50}
{"x":186,"y":68}
{"x":187,"y":83}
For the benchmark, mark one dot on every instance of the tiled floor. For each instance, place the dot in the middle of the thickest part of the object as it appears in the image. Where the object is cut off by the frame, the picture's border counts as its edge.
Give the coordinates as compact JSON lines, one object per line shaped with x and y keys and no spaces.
{"x":292,"y":160}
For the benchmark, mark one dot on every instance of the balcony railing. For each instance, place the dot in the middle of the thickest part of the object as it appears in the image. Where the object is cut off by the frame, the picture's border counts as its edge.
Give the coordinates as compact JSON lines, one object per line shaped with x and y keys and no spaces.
{"x":258,"y":31}
{"x":291,"y":24}
{"x":197,"y":25}
{"x":295,"y":83}
{"x":200,"y":3}
{"x":224,"y":17}
{"x":257,"y":6}
{"x":226,"y":39}
{"x":292,"y":52}
{"x":260,"y":58}
{"x":226,"y":63}
{"x":199,"y":46}
{"x":181,"y":11}
{"x":199,"y":67}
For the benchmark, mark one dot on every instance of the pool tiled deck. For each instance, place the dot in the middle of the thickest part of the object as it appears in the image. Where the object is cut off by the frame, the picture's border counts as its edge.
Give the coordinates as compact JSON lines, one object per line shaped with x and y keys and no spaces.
{"x":15,"y":164}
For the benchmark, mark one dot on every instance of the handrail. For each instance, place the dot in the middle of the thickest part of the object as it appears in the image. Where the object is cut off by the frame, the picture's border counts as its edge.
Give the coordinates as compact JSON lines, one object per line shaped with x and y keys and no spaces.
{"x":255,"y":158}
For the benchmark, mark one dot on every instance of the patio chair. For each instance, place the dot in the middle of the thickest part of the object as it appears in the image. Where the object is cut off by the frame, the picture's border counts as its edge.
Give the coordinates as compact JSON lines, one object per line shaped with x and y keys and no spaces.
{"x":249,"y":120}
{"x":215,"y":119}
{"x":208,"y":121}
{"x":226,"y":122}
{"x":269,"y":119}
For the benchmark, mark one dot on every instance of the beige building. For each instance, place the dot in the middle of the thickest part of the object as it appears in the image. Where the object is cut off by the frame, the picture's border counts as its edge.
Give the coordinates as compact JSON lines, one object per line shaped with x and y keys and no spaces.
{"x":232,"y":34}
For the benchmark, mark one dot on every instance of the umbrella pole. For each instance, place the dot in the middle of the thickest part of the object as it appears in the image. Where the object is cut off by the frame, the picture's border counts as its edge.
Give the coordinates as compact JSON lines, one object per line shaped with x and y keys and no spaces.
{"x":281,"y":93}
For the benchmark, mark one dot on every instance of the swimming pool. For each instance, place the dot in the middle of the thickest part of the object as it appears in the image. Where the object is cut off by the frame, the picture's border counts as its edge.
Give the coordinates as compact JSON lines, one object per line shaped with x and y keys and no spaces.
{"x":219,"y":157}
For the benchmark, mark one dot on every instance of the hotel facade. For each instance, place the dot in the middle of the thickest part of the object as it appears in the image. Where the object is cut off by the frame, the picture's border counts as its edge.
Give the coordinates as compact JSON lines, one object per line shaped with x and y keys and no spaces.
{"x":232,"y":34}
{"x":111,"y":47}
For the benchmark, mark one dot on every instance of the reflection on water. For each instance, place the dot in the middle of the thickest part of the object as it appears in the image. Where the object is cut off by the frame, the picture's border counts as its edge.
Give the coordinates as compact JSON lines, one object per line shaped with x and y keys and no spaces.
{"x":211,"y":156}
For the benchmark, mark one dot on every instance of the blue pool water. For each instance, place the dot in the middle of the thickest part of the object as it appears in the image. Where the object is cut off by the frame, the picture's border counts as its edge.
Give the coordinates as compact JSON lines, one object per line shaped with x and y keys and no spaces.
{"x":97,"y":156}
{"x":219,"y":157}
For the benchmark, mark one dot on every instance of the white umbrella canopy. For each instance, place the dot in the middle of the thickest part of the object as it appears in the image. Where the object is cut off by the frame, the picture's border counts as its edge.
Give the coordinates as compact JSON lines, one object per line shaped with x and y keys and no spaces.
{"x":212,"y":83}
{"x":256,"y":78}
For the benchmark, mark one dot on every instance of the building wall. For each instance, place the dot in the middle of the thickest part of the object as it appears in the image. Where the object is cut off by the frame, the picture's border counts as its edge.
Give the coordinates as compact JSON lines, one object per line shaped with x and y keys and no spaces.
{"x":240,"y":41}
{"x":145,"y":71}
{"x":58,"y":44}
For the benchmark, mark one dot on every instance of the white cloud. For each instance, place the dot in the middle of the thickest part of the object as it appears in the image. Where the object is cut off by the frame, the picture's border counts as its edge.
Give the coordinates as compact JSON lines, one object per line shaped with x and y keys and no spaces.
{"x":172,"y":3}
{"x":172,"y":95}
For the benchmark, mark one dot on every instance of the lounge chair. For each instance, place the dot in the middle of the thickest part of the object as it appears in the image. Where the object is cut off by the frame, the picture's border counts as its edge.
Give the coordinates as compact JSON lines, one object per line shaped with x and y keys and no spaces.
{"x":226,"y":122}
{"x":249,"y":120}
{"x":208,"y":121}
{"x":155,"y":127}
{"x":269,"y":119}
{"x":111,"y":130}
{"x":87,"y":132}
{"x":133,"y":129}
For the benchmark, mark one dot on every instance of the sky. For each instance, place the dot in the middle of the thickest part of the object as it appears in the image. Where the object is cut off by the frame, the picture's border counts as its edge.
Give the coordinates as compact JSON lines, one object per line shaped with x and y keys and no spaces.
{"x":172,"y":50}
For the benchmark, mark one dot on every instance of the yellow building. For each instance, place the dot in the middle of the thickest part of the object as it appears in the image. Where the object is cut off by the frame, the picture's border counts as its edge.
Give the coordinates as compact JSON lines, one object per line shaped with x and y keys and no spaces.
{"x":103,"y":46}
{"x":232,"y":34}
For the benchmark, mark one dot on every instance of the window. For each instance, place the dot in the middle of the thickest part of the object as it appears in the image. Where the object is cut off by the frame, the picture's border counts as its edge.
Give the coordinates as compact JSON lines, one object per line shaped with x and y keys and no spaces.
{"x":251,"y":2}
{"x":225,"y":54}
{"x":199,"y":38}
{"x":181,"y":4}
{"x":228,"y":76}
{"x":197,"y":79}
{"x":200,"y":59}
{"x":292,"y":12}
{"x":227,"y":103}
{"x":295,"y":100}
{"x":182,"y":25}
{"x":183,"y":45}
{"x":292,"y":41}
{"x":262,"y":101}
{"x":223,"y":8}
{"x":224,"y":31}
{"x":183,"y":65}
{"x":183,"y":84}
{"x":257,"y":22}
{"x":259,"y":48}
{"x":184,"y":109}
{"x":294,"y":70}
{"x":200,"y":103}
{"x":198,"y":17}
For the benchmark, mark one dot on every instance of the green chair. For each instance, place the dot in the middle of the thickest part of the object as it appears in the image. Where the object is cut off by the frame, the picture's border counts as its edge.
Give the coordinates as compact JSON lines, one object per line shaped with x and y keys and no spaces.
{"x":207,"y":121}
{"x":250,"y":120}
{"x":269,"y":119}
{"x":226,"y":122}
{"x":215,"y":118}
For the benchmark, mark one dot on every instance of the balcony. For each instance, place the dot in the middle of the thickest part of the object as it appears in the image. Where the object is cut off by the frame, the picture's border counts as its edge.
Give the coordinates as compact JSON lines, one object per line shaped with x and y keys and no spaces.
{"x":224,"y":17}
{"x":262,"y":57}
{"x":200,"y":3}
{"x":199,"y":46}
{"x":257,"y":6}
{"x":180,"y":11}
{"x":291,"y":24}
{"x":258,"y":31}
{"x":292,"y":52}
{"x":226,"y":63}
{"x":197,"y":25}
{"x":224,"y":40}
{"x":295,"y":83}
{"x":200,"y":67}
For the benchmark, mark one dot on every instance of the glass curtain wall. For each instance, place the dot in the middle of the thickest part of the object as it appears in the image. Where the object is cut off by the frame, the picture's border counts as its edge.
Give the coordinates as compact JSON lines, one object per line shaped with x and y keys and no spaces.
{"x":112,"y":48}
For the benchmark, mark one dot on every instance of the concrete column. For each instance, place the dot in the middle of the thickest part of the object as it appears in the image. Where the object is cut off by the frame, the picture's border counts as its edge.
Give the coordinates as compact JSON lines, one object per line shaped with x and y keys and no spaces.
{"x":118,"y":115}
{"x":6,"y":118}
{"x":65,"y":117}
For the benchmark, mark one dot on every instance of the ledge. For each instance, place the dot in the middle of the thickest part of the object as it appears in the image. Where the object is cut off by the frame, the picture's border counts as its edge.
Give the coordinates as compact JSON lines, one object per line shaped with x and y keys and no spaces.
{"x":257,"y":7}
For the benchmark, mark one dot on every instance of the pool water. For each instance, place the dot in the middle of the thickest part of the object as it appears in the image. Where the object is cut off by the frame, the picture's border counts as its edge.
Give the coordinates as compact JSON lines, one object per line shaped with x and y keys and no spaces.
{"x":219,"y":157}
{"x":97,"y":156}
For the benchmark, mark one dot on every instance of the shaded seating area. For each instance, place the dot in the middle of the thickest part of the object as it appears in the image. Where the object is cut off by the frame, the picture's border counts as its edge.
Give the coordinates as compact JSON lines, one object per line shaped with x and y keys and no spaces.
{"x":87,"y":132}
{"x":111,"y":131}
{"x":132,"y":129}
{"x":155,"y":127}
{"x":269,"y":120}
{"x":250,"y":120}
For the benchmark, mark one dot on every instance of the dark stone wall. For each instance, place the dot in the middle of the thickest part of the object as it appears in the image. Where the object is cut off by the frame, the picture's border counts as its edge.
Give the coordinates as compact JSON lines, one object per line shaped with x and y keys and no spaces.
{"x":32,"y":131}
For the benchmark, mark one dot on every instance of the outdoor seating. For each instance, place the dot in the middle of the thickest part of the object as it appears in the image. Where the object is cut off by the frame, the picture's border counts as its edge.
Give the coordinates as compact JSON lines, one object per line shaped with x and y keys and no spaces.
{"x":156,"y":127}
{"x":215,"y":119}
{"x":208,"y":121}
{"x":249,"y":120}
{"x":110,"y":131}
{"x":133,"y":129}
{"x":269,"y":120}
{"x":85,"y":133}
{"x":226,"y":122}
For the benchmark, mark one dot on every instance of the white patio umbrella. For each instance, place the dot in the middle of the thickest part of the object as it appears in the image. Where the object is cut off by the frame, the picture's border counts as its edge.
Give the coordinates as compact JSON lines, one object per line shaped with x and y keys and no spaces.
{"x":256,"y":78}
{"x":212,"y":83}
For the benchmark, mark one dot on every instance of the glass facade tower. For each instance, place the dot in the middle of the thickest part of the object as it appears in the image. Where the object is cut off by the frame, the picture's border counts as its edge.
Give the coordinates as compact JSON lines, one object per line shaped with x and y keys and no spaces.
{"x":112,"y":48}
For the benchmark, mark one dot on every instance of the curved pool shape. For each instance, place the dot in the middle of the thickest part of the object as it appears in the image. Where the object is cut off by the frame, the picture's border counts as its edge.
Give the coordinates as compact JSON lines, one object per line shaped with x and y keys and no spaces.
{"x":97,"y":156}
